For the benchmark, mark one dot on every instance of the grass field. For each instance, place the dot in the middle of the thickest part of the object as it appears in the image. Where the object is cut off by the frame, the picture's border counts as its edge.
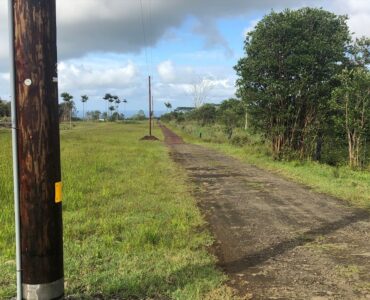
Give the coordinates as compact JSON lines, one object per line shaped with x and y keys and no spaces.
{"x":131,"y":228}
{"x":342,"y":182}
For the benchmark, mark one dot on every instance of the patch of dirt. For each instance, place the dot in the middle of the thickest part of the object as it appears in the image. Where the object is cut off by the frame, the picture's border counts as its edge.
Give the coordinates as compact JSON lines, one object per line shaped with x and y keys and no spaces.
{"x":274,"y":238}
{"x":149,"y":138}
{"x":170,"y":138}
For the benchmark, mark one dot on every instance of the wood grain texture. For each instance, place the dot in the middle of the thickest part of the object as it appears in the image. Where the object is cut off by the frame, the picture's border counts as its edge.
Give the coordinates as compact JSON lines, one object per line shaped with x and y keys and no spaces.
{"x":38,"y":140}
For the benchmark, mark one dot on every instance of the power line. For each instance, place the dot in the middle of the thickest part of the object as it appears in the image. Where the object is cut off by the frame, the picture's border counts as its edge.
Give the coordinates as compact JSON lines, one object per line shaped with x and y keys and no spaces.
{"x":151,"y":48}
{"x":144,"y":34}
{"x":151,"y":35}
{"x":145,"y":19}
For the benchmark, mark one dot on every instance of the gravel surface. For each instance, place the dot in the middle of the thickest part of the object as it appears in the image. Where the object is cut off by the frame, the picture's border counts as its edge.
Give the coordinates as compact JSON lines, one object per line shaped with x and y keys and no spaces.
{"x":274,"y":238}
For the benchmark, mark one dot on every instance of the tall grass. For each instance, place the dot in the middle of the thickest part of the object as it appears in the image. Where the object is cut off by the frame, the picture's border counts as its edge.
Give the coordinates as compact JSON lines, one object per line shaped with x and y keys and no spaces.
{"x":131,"y":230}
{"x":352,"y":186}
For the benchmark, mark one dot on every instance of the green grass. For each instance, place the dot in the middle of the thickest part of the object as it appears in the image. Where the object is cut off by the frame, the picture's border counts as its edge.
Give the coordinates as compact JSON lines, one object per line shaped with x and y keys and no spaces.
{"x":131,"y":228}
{"x":341,"y":182}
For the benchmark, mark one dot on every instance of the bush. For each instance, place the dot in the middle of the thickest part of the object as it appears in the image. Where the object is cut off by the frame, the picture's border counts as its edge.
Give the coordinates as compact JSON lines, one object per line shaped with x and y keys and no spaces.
{"x":239,"y":140}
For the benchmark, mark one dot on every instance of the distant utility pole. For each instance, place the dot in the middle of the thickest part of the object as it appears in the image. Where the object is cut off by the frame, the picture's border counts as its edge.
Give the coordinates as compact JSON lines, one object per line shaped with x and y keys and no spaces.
{"x":37,"y":156}
{"x":150,"y":106}
{"x":153,"y":110}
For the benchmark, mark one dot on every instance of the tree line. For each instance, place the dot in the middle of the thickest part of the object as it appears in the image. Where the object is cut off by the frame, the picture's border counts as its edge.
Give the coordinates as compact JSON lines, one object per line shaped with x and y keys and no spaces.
{"x":230,"y":114}
{"x":304,"y":85}
{"x":67,"y":109}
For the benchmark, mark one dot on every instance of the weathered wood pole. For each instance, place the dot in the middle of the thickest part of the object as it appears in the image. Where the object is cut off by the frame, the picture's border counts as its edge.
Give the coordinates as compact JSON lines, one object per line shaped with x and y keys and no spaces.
{"x":153,"y":117}
{"x":150,"y":106}
{"x":36,"y":101}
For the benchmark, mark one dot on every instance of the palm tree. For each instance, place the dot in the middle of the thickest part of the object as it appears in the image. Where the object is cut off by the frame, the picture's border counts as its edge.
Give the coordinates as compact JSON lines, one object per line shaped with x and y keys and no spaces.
{"x":124,"y":106}
{"x":67,"y":98}
{"x":117,"y":101}
{"x":168,"y":105}
{"x":111,"y":101}
{"x":84,"y":99}
{"x":111,"y":108}
{"x":107,"y":98}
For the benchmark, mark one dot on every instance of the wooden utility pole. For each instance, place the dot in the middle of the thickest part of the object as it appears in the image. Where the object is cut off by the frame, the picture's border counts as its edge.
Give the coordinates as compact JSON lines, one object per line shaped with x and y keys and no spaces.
{"x":150,"y":107}
{"x":36,"y":111}
{"x":153,"y":117}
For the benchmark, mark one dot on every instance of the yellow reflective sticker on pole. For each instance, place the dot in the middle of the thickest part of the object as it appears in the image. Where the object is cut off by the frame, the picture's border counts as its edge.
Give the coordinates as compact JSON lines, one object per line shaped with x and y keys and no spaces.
{"x":58,"y":192}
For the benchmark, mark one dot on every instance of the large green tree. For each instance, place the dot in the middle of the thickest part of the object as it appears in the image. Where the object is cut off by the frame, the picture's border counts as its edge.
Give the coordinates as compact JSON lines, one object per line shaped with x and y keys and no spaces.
{"x":286,"y":75}
{"x":205,"y":114}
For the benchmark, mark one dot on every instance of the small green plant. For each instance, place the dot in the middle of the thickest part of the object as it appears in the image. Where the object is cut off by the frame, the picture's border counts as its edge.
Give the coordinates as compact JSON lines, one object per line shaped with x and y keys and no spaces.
{"x":348,"y":271}
{"x":336,"y":172}
{"x":239,"y":140}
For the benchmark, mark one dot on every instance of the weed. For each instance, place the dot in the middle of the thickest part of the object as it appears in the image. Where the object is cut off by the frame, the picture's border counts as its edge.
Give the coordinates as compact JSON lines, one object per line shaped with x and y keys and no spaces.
{"x":336,"y":172}
{"x":350,"y":271}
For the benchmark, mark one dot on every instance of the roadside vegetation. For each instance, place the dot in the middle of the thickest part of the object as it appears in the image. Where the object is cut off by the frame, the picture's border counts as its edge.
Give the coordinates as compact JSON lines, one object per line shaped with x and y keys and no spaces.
{"x":4,"y":113}
{"x":131,"y":229}
{"x":302,"y":106}
{"x":339,"y":181}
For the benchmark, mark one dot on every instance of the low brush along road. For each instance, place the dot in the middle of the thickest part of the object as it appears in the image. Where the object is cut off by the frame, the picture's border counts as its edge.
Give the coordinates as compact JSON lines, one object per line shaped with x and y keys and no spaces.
{"x":274,"y":238}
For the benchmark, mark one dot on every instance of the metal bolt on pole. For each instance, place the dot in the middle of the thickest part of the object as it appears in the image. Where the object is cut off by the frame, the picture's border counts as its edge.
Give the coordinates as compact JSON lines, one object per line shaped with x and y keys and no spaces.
{"x":36,"y":149}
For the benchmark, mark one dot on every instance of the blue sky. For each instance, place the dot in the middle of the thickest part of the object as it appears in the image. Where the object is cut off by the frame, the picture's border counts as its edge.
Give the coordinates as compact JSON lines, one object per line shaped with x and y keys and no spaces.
{"x":188,"y":43}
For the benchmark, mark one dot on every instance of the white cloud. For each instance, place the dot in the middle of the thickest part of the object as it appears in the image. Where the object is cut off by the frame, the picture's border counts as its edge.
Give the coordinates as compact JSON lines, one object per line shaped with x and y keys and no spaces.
{"x":179,"y":91}
{"x":250,"y":27}
{"x":166,"y":71}
{"x":169,"y":72}
{"x":96,"y":76}
{"x":5,"y":76}
{"x":358,"y":12}
{"x":359,"y":16}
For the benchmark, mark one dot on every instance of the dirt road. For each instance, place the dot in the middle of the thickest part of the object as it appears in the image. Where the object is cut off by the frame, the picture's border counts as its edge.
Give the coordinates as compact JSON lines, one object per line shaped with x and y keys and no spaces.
{"x":274,"y":238}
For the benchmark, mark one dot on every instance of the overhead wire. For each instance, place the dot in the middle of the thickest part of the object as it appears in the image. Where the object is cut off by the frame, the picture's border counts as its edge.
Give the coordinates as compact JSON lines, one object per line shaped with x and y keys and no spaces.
{"x":144,"y":34}
{"x":151,"y":36}
{"x":146,"y":20}
{"x":151,"y":48}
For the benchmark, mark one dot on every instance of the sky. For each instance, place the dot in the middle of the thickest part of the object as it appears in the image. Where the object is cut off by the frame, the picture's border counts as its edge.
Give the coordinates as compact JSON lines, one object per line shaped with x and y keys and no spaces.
{"x":111,"y":46}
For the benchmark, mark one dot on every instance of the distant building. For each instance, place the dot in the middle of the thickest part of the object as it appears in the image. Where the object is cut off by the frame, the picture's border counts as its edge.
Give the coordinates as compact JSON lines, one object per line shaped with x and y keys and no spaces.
{"x":183,"y":109}
{"x":216,"y":105}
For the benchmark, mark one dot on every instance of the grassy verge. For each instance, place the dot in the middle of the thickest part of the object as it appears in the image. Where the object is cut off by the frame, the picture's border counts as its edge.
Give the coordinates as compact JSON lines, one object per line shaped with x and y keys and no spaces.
{"x":131,"y":230}
{"x":341,"y":182}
